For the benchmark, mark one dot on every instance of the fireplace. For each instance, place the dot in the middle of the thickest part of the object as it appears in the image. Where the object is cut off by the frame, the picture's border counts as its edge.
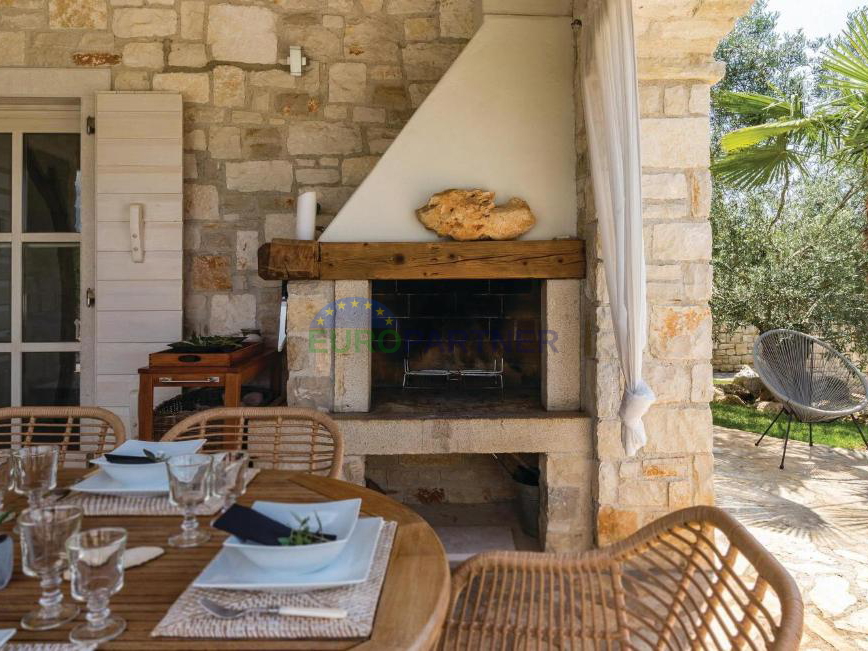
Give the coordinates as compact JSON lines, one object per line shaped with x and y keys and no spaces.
{"x":458,"y":343}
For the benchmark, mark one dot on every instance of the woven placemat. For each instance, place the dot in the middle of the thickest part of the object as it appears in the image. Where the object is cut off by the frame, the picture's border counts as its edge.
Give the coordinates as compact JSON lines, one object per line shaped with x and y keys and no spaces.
{"x":40,"y":646}
{"x":186,"y":618}
{"x":96,"y":504}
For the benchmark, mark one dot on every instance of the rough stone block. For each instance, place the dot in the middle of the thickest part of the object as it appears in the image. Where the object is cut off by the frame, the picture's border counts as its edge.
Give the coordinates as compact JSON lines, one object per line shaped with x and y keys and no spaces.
{"x":320,"y":138}
{"x":368,"y":114}
{"x":201,"y":202}
{"x":457,"y":19}
{"x":561,"y":358}
{"x":376,"y":39}
{"x":674,"y":142}
{"x":411,"y":6}
{"x":192,"y":20}
{"x":136,"y":23}
{"x":210,"y":273}
{"x":430,"y":60}
{"x":320,"y":42}
{"x":143,"y":55}
{"x":188,"y":55}
{"x":650,"y":100}
{"x":317,"y":176}
{"x":348,"y":82}
{"x":680,"y":333}
{"x":12,"y":48}
{"x":353,"y":469}
{"x":279,"y":225}
{"x":232,"y":312}
{"x":614,"y":524}
{"x":260,"y":175}
{"x":225,"y":142}
{"x":246,"y":34}
{"x":195,"y":87}
{"x":421,"y":29}
{"x":682,"y":241}
{"x":354,"y":170}
{"x":246,"y":246}
{"x":678,"y":431}
{"x":676,"y":100}
{"x":77,"y":14}
{"x":665,"y":187}
{"x":353,"y":365}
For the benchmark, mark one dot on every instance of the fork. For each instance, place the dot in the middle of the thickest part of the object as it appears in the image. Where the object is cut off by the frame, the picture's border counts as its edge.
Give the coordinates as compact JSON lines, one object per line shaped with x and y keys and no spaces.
{"x":225,"y":612}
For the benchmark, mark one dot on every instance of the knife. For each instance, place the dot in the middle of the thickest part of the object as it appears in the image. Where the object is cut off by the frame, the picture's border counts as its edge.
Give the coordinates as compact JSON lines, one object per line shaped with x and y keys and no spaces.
{"x":281,"y":326}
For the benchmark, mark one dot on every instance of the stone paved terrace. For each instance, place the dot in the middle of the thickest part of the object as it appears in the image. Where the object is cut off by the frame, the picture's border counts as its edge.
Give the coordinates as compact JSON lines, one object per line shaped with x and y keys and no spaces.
{"x":813,"y":516}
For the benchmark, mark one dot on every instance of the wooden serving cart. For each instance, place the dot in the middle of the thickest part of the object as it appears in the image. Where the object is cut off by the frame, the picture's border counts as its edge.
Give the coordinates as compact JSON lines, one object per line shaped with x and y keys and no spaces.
{"x":216,"y":370}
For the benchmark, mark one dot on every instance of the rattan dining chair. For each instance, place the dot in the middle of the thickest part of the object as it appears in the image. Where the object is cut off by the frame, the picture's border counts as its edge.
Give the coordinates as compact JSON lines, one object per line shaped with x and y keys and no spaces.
{"x":813,"y":381}
{"x":82,"y":433}
{"x":287,"y":438}
{"x":695,"y":579}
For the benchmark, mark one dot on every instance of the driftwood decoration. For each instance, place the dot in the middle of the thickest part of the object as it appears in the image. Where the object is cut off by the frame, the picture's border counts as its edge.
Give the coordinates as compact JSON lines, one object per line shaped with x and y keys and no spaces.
{"x":468,"y":215}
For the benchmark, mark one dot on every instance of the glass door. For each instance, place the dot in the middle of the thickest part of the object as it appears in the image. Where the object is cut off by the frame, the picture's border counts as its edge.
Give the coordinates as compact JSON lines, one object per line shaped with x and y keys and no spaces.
{"x":40,"y":261}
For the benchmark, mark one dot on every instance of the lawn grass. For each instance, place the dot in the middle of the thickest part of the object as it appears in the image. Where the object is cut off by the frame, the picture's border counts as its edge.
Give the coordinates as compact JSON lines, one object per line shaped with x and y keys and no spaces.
{"x":840,"y":434}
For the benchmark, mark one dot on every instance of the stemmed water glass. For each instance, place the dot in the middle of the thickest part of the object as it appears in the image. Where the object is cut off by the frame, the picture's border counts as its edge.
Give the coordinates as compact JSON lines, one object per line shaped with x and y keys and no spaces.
{"x":5,"y":478}
{"x":189,"y":486}
{"x":96,"y":563}
{"x":44,"y":532}
{"x":34,"y":472}
{"x":228,"y":476}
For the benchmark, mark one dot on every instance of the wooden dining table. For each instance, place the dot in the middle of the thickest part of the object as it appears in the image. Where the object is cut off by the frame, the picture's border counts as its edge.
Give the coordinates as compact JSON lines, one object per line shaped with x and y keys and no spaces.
{"x":409,"y":615}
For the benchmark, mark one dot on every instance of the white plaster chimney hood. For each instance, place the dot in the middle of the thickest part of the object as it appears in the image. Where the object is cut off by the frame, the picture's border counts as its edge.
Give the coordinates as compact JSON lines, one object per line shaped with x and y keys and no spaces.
{"x":502,"y":118}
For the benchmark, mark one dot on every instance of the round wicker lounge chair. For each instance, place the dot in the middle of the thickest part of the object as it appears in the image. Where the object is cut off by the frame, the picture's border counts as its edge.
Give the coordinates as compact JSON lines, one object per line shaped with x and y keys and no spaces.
{"x":813,"y":381}
{"x":694,"y":579}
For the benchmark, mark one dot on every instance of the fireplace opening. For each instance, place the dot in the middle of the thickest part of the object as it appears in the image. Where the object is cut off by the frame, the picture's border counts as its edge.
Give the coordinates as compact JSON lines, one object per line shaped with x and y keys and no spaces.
{"x":454,"y":344}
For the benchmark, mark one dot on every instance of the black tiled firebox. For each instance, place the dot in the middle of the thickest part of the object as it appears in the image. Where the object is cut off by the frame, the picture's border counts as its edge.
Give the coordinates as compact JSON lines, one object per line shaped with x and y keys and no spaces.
{"x":460,"y":324}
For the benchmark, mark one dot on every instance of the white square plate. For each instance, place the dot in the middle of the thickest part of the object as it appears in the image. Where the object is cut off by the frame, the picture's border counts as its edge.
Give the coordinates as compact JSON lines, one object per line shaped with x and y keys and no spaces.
{"x":230,"y":570}
{"x":101,"y":484}
{"x":133,"y":479}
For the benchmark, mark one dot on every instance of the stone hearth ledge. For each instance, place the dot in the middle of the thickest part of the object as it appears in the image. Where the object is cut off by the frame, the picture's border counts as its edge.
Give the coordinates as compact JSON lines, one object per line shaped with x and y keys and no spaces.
{"x":568,"y":432}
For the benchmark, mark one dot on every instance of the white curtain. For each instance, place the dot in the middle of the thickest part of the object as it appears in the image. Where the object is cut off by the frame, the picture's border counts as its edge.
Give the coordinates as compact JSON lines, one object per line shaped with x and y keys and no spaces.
{"x":610,"y":94}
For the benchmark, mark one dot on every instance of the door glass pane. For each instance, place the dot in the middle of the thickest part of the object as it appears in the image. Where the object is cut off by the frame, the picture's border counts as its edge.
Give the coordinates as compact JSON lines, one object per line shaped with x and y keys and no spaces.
{"x":5,"y":292}
{"x":51,"y":291}
{"x":5,"y":379}
{"x":52,"y":183}
{"x":5,"y":182}
{"x":50,"y":379}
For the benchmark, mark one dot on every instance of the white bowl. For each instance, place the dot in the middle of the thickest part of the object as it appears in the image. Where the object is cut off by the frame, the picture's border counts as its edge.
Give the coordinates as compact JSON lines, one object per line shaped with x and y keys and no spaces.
{"x":145,"y":473}
{"x":338,"y":518}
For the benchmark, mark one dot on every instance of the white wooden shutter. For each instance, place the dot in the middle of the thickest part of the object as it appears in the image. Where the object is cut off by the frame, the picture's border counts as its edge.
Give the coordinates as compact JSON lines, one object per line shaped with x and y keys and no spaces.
{"x":138,"y":304}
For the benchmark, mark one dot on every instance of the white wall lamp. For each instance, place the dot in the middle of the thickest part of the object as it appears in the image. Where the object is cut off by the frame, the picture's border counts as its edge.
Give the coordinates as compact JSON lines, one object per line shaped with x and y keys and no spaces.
{"x":296,"y":60}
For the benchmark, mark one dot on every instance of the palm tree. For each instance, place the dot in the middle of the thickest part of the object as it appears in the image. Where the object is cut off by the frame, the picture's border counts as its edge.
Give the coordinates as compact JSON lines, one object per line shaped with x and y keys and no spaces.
{"x":788,"y":139}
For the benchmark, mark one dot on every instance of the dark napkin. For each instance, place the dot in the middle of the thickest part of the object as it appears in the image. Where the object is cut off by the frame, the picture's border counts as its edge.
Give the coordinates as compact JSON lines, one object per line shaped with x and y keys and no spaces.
{"x":128,"y":459}
{"x":247,"y":524}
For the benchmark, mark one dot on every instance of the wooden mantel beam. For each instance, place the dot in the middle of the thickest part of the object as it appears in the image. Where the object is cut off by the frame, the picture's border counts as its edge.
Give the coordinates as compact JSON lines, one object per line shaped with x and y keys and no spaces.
{"x":306,"y":260}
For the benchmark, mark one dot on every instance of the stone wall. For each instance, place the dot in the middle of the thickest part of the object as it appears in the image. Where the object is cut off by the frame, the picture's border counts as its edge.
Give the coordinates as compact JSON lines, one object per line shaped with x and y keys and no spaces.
{"x":732,"y":350}
{"x":254,"y":135}
{"x":675,"y":42}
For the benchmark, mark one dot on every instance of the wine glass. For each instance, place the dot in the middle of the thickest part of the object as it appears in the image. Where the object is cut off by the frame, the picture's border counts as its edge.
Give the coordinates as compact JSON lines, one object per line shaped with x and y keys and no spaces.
{"x":34,"y":471}
{"x":228,"y":476}
{"x":44,"y":532}
{"x":96,"y":563}
{"x":189,"y":485}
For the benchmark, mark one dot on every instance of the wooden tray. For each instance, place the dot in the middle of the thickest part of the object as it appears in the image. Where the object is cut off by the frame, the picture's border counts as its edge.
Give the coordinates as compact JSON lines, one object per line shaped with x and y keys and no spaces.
{"x":168,"y":358}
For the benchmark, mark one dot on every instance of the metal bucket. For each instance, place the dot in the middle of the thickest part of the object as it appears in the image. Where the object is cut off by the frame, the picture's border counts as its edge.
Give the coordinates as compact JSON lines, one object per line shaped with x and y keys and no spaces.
{"x":528,"y":508}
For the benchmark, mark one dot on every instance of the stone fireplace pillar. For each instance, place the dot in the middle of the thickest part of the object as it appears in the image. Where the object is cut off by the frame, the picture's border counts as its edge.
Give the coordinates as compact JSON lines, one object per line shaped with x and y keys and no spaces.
{"x":674,"y":470}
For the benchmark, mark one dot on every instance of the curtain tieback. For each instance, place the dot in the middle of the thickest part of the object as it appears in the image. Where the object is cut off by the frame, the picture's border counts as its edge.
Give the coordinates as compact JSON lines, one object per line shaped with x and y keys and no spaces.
{"x":634,"y":405}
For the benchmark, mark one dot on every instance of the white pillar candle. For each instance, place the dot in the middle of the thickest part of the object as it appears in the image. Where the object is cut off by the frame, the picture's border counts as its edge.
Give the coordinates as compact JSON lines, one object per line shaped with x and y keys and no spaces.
{"x":305,"y":216}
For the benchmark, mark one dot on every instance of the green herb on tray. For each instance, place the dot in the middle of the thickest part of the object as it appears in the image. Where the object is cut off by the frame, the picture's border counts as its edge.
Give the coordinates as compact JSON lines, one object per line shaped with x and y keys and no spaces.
{"x":303,"y":535}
